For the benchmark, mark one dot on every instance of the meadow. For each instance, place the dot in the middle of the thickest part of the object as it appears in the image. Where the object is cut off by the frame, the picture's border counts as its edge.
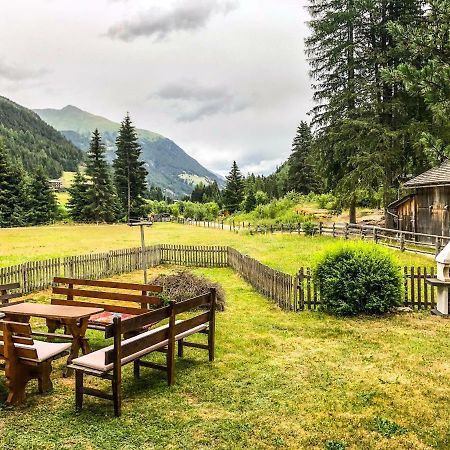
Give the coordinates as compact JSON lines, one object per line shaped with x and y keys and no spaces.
{"x":283,"y":252}
{"x":280,"y":380}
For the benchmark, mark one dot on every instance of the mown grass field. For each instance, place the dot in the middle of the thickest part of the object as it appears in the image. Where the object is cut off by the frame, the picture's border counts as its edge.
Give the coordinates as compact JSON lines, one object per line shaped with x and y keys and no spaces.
{"x":284,"y":252}
{"x":280,"y":381}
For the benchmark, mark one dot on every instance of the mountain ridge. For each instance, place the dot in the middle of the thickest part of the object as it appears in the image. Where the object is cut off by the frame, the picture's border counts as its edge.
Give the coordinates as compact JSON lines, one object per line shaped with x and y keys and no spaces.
{"x":34,"y":143}
{"x":169,"y":166}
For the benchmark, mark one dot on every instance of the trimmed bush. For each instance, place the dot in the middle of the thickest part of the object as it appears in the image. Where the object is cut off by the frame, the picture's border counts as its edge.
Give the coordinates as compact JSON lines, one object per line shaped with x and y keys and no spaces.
{"x":358,"y":279}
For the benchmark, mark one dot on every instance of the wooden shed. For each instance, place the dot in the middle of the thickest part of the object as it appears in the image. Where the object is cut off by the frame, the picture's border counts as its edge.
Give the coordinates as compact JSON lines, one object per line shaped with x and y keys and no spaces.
{"x":426,"y":208}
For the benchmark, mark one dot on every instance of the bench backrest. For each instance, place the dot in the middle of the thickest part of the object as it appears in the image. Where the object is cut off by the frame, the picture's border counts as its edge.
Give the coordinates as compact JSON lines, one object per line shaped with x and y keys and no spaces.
{"x":76,"y":287}
{"x":119,"y":327}
{"x":16,"y":333}
{"x":6,"y":295}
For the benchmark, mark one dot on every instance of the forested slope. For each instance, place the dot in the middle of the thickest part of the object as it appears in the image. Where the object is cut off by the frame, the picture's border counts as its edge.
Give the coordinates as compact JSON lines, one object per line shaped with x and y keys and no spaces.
{"x":34,"y":143}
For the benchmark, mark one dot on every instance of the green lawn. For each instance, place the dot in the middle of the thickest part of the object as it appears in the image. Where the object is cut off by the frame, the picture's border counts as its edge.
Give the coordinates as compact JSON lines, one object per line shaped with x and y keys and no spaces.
{"x":280,"y":380}
{"x":284,"y":252}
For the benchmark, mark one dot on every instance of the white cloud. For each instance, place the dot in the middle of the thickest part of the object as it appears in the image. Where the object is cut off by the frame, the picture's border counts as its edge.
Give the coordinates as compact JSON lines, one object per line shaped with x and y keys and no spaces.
{"x":185,"y":15}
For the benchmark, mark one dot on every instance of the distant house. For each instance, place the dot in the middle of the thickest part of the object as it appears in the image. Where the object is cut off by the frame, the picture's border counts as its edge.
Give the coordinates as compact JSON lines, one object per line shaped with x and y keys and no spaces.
{"x":426,"y":208}
{"x":56,"y":185}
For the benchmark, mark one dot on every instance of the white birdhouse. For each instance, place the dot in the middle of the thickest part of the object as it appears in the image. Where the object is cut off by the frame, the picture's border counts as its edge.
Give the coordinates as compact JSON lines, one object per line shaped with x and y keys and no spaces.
{"x":443,"y":264}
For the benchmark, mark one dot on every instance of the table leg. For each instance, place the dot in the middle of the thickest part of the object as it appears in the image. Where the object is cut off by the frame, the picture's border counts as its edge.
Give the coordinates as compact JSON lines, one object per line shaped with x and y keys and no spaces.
{"x":79,"y":342}
{"x":52,"y":326}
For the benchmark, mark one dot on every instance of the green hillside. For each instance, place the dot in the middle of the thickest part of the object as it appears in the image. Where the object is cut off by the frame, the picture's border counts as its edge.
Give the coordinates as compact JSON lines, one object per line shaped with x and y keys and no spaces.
{"x":168,"y":165}
{"x":33,"y":143}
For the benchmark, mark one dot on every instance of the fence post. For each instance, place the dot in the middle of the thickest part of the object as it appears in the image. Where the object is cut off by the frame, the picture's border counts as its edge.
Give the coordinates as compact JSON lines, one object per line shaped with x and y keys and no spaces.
{"x":375,"y":235}
{"x":320,"y":228}
{"x":334,"y":229}
{"x":346,"y":231}
{"x":24,"y":277}
{"x":298,"y":228}
{"x":438,"y":246}
{"x":402,"y":242}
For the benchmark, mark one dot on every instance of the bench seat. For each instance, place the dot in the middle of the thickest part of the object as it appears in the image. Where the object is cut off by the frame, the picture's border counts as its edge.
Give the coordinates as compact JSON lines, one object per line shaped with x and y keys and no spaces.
{"x":96,"y":360}
{"x":44,"y":350}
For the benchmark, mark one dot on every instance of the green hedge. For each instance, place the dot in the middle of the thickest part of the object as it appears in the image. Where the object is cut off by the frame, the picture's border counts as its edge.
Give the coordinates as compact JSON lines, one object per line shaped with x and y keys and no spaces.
{"x":358,"y":278}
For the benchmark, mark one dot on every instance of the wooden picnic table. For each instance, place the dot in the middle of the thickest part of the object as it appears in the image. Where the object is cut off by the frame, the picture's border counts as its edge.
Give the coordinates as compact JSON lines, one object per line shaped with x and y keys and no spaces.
{"x":74,"y":318}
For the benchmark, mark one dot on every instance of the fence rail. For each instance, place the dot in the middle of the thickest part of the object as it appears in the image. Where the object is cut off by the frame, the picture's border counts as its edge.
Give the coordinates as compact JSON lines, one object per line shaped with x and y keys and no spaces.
{"x":429,"y":244}
{"x":291,"y":293}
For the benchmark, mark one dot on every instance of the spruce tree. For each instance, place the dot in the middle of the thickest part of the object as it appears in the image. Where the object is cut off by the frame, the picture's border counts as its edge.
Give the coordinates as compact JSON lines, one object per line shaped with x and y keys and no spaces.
{"x":301,"y":173}
{"x":425,"y":72}
{"x":12,"y":193}
{"x":364,"y":121}
{"x":101,"y":200}
{"x":43,"y":207}
{"x":129,"y":172}
{"x":234,"y":189}
{"x":250,"y":201}
{"x":78,"y":198}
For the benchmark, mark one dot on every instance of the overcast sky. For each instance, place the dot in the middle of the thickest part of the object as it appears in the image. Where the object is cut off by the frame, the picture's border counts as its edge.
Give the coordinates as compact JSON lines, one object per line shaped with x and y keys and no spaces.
{"x":225,"y":79}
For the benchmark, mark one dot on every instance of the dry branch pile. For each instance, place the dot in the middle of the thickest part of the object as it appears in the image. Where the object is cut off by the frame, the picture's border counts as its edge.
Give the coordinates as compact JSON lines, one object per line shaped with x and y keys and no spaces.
{"x":183,"y":285}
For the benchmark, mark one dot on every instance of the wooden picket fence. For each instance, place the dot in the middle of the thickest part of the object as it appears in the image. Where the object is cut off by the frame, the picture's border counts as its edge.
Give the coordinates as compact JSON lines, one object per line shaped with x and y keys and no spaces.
{"x":38,"y":275}
{"x":290,"y":293}
{"x":194,"y":255}
{"x":275,"y":285}
{"x":417,"y":293}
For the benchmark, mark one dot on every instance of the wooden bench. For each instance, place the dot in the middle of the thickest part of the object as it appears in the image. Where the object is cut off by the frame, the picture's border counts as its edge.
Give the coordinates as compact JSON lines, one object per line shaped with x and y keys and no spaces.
{"x":107,"y":362}
{"x":9,"y":292}
{"x":75,"y":293}
{"x":26,"y":359}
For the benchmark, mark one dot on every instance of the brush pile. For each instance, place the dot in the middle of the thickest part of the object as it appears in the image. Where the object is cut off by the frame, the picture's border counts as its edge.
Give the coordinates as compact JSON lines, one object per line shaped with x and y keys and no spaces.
{"x":183,"y":285}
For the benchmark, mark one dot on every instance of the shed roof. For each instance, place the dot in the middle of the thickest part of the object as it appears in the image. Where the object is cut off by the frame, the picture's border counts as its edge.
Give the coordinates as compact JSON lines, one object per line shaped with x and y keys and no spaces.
{"x":437,"y":176}
{"x":400,"y":201}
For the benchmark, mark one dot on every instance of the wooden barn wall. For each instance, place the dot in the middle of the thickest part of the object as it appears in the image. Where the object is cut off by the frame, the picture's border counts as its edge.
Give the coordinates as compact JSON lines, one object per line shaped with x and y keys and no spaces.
{"x":434,"y":220}
{"x":406,"y":216}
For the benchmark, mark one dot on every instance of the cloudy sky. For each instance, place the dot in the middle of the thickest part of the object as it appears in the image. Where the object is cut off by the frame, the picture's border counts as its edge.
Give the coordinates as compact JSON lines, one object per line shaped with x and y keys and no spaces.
{"x":225,"y":79}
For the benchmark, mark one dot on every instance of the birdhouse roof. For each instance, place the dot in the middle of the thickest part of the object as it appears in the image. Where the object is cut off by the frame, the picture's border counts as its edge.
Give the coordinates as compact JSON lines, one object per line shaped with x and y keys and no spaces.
{"x":444,"y":255}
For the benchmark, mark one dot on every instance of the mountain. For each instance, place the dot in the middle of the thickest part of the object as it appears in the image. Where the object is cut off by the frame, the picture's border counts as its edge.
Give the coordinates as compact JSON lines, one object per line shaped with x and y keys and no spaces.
{"x":168,"y":165}
{"x":33,"y":143}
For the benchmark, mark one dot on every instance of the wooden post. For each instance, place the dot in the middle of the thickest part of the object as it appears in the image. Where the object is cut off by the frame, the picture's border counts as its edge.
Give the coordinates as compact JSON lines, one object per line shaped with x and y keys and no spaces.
{"x":375,"y":235}
{"x":171,"y":346}
{"x":334,"y":229}
{"x":320,"y":228}
{"x":402,"y":242}
{"x":212,"y":324}
{"x":438,"y":246}
{"x":346,"y":231}
{"x":117,"y":370}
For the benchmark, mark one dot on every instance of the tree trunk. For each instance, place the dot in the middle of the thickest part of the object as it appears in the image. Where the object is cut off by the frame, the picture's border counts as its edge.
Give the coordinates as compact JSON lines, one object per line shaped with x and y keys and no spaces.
{"x":352,"y":218}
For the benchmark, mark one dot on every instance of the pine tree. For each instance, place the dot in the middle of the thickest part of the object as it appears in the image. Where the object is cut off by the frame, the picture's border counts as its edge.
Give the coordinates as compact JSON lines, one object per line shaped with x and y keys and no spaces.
{"x":301,"y":174}
{"x":364,"y":121}
{"x":198,"y":193}
{"x":130,"y":173}
{"x":43,"y":207}
{"x":12,"y":194}
{"x":78,"y":198}
{"x":425,"y":72}
{"x":101,"y":200}
{"x":250,"y":201}
{"x":234,"y":189}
